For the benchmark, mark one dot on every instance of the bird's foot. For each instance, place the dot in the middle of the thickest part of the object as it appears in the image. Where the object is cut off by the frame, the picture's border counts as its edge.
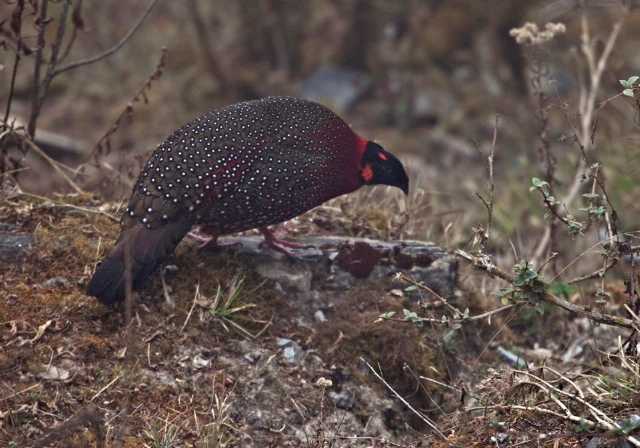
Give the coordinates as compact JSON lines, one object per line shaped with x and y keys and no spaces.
{"x":211,"y":243}
{"x":278,"y":244}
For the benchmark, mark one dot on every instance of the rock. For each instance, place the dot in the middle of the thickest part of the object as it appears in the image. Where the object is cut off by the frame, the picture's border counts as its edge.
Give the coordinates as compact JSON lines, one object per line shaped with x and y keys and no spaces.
{"x":198,"y":362}
{"x":291,"y":351}
{"x":341,"y":400}
{"x":309,"y":282}
{"x":12,"y":245}
{"x":346,"y":262}
{"x":54,"y":282}
{"x":253,"y":417}
{"x":336,"y":88}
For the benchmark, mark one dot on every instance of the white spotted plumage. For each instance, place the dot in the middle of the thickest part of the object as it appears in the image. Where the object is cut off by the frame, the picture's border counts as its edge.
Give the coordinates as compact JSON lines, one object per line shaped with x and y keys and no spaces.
{"x":243,"y":166}
{"x":248,"y":165}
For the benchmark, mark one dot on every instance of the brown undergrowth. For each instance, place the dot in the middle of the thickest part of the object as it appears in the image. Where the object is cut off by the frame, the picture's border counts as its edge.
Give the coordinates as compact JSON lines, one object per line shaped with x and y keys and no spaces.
{"x":72,"y":377}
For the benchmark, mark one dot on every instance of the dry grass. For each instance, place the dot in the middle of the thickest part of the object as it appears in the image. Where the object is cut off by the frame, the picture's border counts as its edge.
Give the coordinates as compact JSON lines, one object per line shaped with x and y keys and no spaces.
{"x":59,"y":326}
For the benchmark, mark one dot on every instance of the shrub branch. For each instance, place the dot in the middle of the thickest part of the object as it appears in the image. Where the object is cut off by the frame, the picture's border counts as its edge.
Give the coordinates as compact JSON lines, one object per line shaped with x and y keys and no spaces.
{"x":484,"y":263}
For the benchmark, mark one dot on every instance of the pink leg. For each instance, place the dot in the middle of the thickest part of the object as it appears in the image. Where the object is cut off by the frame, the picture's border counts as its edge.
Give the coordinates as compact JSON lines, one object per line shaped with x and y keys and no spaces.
{"x":279,"y":245}
{"x":210,"y":243}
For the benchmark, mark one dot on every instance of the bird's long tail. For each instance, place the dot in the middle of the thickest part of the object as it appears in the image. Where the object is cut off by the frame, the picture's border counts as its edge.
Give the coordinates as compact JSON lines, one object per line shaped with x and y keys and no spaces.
{"x":147,"y":249}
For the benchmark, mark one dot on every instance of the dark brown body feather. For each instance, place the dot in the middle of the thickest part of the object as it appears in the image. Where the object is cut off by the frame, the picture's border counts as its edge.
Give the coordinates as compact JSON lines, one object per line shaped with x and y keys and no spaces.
{"x":244,"y":166}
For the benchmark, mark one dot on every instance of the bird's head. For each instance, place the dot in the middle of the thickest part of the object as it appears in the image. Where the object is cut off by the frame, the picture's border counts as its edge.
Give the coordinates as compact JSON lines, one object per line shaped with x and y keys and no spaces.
{"x":380,"y":167}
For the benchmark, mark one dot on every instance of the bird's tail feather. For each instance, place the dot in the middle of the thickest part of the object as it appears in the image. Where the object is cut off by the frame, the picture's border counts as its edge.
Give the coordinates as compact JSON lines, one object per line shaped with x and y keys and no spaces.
{"x":148,"y":248}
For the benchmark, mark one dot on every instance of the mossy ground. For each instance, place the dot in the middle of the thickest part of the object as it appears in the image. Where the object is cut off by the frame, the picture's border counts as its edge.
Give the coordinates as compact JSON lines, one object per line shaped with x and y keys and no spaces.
{"x":144,"y":381}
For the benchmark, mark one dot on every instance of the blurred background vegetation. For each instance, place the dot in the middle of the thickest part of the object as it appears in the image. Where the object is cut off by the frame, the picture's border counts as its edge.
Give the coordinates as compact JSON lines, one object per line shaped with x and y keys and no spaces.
{"x":426,"y":79}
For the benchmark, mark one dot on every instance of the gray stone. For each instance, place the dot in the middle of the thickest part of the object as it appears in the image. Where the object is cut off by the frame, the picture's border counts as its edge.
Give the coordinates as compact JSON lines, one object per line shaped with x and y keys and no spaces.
{"x":314,"y":277}
{"x":341,"y":400}
{"x":291,"y":351}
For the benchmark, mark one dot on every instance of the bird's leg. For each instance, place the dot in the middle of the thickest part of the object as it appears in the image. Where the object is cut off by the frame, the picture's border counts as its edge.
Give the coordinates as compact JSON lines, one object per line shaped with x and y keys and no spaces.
{"x":210,"y":243}
{"x":279,"y":245}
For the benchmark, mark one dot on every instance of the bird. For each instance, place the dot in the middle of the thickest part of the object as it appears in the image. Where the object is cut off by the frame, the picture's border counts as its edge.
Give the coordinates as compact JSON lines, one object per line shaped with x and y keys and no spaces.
{"x":247,"y":165}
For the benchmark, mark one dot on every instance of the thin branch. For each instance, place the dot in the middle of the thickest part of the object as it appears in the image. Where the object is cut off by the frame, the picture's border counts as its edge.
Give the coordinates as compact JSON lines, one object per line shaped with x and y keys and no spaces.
{"x":203,"y":32}
{"x":196,"y":296}
{"x":111,"y":50}
{"x":488,"y":162}
{"x":42,"y":23}
{"x":401,"y":276}
{"x":65,"y":204}
{"x":54,"y":164}
{"x":12,"y":87}
{"x":43,"y":88}
{"x":485,"y":264}
{"x":608,"y":265}
{"x":129,"y":109}
{"x":424,"y":418}
{"x":587,"y":101}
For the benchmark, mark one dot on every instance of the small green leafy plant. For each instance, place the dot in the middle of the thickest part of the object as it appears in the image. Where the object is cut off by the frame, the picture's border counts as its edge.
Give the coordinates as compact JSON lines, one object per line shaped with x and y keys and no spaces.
{"x":630,"y":86}
{"x":528,"y":285}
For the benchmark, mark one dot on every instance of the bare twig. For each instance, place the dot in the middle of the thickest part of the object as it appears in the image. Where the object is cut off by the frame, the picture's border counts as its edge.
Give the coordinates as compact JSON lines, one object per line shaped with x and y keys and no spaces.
{"x":111,"y":50}
{"x":55,"y":165}
{"x":41,"y":24}
{"x":12,"y":86}
{"x":129,"y":109}
{"x":105,"y":388}
{"x":203,"y":31}
{"x":401,"y":276}
{"x":40,"y":90}
{"x":588,"y":98}
{"x":196,"y":296}
{"x":65,"y":204}
{"x":488,"y":162}
{"x":610,"y":262}
{"x":423,"y":417}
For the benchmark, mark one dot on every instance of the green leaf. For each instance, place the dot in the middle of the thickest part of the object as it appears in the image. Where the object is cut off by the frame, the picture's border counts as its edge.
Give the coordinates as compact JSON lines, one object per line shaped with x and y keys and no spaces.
{"x":633,"y":79}
{"x":502,"y":292}
{"x":538,"y":287}
{"x":387,"y":315}
{"x":559,"y":288}
{"x":628,"y":92}
{"x":536,"y":182}
{"x":625,"y":83}
{"x":521,"y":265}
{"x":411,"y":288}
